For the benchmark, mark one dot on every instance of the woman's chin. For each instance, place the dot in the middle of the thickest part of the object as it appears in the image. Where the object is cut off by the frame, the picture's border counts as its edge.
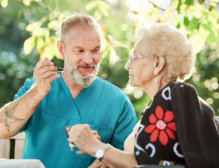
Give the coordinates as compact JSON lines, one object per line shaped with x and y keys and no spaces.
{"x":132,"y":83}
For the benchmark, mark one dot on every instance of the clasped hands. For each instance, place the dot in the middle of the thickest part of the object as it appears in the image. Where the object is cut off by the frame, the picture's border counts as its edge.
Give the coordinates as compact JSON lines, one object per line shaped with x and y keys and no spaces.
{"x":87,"y":140}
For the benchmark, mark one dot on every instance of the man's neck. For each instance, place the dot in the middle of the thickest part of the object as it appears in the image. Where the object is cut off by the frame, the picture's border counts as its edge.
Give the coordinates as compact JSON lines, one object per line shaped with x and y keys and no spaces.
{"x":74,"y":88}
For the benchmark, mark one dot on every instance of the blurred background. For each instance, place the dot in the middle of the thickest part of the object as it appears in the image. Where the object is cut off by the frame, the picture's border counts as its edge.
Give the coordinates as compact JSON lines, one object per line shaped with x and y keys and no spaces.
{"x":29,"y":30}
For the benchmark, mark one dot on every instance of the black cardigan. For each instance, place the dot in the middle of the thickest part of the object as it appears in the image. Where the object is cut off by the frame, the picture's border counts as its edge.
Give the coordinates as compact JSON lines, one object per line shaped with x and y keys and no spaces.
{"x":197,"y":130}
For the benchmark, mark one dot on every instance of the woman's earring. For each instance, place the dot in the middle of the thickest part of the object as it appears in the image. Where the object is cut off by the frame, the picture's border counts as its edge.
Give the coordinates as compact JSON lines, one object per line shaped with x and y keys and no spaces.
{"x":155,"y":80}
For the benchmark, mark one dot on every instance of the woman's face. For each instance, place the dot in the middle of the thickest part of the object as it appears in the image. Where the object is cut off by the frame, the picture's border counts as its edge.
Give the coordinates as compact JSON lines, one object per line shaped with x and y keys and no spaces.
{"x":141,"y":65}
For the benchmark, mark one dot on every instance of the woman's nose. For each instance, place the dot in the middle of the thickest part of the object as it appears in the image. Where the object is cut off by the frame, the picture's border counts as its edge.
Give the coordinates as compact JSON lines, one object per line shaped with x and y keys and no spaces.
{"x":127,"y":66}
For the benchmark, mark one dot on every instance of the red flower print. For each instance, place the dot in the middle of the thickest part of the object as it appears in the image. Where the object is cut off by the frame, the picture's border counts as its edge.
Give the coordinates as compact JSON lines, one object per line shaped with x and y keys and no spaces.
{"x":161,"y":125}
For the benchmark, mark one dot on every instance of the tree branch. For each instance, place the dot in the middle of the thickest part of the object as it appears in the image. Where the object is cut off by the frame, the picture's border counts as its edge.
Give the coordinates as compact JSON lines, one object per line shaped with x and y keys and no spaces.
{"x":43,"y":6}
{"x":156,"y":6}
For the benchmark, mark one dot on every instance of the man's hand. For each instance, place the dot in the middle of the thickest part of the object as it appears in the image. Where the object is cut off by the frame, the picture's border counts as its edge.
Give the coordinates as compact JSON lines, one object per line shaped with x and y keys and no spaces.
{"x":44,"y":73}
{"x":15,"y":114}
{"x":98,"y":164}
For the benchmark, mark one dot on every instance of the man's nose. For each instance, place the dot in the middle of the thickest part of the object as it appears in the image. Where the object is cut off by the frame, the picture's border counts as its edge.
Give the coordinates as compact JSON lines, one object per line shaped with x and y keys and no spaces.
{"x":88,"y":58}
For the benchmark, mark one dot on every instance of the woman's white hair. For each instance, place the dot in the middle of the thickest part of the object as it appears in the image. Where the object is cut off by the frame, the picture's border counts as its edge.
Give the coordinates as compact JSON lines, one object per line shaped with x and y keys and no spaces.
{"x":171,"y":43}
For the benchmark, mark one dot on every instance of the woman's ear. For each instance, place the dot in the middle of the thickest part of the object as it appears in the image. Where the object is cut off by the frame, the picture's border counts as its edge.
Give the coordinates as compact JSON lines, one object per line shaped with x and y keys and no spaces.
{"x":60,"y":47}
{"x":159,"y":65}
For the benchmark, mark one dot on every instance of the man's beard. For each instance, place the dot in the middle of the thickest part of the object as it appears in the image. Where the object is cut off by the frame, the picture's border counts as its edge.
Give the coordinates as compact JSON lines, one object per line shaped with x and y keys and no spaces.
{"x":82,"y":80}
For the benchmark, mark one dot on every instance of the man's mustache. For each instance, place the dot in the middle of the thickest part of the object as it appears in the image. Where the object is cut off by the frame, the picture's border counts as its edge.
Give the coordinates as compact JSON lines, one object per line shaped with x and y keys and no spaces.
{"x":86,"y":65}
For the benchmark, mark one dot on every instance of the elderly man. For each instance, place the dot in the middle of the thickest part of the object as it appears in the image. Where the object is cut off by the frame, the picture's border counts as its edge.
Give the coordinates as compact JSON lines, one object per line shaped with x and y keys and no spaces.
{"x":50,"y":100}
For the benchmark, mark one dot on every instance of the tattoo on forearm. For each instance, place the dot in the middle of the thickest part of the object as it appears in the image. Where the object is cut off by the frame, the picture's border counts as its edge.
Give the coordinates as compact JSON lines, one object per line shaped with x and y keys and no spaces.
{"x":8,"y":117}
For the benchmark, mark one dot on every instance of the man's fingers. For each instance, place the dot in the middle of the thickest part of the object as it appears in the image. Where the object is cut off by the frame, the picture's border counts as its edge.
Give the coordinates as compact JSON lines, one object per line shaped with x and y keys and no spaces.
{"x":96,"y":164}
{"x":47,"y":68}
{"x":44,"y":73}
{"x":94,"y":132}
{"x":46,"y":58}
{"x":47,"y":74}
{"x":81,"y":152}
{"x":43,"y":63}
{"x":51,"y":78}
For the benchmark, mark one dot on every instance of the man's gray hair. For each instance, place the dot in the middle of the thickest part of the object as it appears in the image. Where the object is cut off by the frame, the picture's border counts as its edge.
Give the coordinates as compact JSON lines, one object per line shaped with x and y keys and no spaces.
{"x":78,"y":19}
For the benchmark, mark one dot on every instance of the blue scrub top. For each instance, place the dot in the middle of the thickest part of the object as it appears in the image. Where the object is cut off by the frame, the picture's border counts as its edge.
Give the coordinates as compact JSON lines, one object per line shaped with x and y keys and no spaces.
{"x":102,"y":105}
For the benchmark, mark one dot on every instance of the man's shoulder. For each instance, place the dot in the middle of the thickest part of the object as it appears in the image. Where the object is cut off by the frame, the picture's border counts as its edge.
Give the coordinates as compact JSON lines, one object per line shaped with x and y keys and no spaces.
{"x":107,"y":84}
{"x":109,"y":87}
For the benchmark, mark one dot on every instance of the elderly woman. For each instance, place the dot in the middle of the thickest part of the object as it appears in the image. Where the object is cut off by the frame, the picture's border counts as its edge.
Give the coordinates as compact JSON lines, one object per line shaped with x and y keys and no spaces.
{"x":177,"y":127}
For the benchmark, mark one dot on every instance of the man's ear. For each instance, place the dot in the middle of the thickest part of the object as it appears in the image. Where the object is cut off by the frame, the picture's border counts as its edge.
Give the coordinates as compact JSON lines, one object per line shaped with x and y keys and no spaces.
{"x":159,"y":65}
{"x":60,"y":47}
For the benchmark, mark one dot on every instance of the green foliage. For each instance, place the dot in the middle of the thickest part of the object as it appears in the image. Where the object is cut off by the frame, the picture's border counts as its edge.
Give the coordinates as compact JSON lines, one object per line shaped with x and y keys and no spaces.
{"x":4,"y":3}
{"x":206,"y":78}
{"x":13,"y":71}
{"x":31,"y":31}
{"x":99,"y":7}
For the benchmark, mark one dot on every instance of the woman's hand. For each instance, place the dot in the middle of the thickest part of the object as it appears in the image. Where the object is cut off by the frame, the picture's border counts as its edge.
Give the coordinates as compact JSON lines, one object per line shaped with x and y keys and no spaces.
{"x":95,"y":133}
{"x":85,"y":139}
{"x":129,"y":143}
{"x":130,"y":140}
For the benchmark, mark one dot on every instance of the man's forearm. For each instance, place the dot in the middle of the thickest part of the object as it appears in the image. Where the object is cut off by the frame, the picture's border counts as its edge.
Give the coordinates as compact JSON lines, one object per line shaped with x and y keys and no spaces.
{"x":15,"y":114}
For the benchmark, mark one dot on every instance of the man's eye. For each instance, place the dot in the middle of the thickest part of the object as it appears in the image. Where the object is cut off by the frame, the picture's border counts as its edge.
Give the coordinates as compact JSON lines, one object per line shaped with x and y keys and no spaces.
{"x":79,"y":51}
{"x":96,"y":50}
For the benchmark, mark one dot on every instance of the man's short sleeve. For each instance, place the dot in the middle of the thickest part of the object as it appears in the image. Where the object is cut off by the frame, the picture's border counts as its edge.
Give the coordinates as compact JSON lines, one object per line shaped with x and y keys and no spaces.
{"x":27,"y":85}
{"x":125,"y":124}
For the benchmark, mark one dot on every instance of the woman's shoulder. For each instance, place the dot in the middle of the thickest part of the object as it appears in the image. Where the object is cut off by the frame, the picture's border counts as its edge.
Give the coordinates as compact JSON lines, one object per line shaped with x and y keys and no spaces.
{"x":187,"y":91}
{"x":177,"y":85}
{"x":182,"y":88}
{"x":176,"y":88}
